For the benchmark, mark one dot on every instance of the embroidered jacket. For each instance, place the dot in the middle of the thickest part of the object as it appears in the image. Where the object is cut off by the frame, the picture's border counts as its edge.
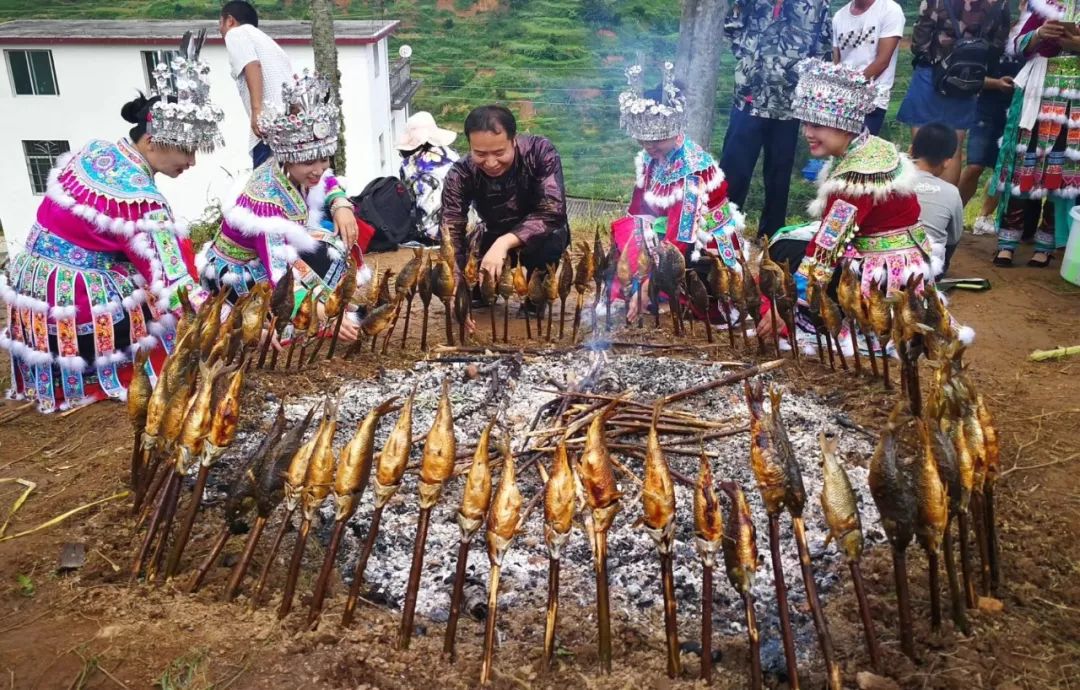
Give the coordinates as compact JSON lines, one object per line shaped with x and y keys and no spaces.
{"x":269,"y":228}
{"x":97,"y":280}
{"x":528,"y":200}
{"x":870,"y":212}
{"x":688,"y":189}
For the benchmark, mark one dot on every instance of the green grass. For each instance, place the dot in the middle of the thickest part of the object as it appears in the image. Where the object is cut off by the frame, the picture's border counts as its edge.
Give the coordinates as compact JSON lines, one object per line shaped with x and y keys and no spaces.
{"x":557,"y":63}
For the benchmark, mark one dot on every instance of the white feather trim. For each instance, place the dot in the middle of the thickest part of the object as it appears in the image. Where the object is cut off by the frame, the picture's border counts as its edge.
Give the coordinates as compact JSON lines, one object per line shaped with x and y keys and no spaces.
{"x":74,"y":363}
{"x":966,"y":335}
{"x":316,"y":199}
{"x":230,"y":278}
{"x":60,"y":313}
{"x":252,"y":225}
{"x":147,"y":342}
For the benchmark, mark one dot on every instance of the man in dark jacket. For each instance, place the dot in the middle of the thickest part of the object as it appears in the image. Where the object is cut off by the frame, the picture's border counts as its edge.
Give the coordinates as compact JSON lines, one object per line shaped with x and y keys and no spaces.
{"x":515,"y":183}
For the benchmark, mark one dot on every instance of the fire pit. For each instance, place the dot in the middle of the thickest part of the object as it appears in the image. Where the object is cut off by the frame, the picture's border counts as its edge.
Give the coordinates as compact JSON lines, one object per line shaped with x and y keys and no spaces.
{"x":514,"y":387}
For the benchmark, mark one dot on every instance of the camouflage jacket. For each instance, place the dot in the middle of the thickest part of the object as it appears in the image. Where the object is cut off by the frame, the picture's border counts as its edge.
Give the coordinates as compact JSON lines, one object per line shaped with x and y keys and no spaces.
{"x":933,"y":36}
{"x":769,"y":37}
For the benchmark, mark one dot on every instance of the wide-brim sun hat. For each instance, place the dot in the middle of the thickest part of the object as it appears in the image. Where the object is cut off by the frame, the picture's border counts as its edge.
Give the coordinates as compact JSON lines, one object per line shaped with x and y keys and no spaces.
{"x":421,"y":129}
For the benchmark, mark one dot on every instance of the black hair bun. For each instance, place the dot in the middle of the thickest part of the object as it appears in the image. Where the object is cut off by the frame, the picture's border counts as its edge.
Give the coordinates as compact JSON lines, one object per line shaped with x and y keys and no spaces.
{"x":135,"y":110}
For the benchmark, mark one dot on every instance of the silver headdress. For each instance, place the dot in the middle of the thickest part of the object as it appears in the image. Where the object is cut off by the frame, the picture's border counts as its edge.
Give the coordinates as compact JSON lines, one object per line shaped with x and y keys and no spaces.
{"x":833,"y":95}
{"x":307,"y":128}
{"x":191,"y":122}
{"x":646,"y":119}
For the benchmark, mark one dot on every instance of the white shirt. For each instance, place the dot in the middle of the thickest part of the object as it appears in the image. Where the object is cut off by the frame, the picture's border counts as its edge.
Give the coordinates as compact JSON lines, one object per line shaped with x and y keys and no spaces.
{"x":857,"y":36}
{"x":246,"y":44}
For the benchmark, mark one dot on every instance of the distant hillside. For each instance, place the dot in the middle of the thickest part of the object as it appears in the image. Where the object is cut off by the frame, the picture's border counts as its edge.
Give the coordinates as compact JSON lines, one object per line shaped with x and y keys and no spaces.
{"x":557,"y":63}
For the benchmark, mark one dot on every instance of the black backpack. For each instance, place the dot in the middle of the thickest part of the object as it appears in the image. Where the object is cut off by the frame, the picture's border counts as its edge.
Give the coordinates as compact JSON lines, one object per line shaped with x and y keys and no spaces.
{"x":387,"y":205}
{"x":960,"y":74}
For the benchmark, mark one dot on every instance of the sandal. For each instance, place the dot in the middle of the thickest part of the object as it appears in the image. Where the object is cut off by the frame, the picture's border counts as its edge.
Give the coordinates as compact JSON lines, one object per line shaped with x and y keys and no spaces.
{"x":1035,"y":263}
{"x":1004,"y":258}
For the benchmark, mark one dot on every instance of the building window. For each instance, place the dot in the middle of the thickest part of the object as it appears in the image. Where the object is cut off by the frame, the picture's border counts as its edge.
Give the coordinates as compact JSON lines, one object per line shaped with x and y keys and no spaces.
{"x":378,"y":57}
{"x":32,"y":72}
{"x":40,"y":159}
{"x":151,"y":59}
{"x":382,"y":152}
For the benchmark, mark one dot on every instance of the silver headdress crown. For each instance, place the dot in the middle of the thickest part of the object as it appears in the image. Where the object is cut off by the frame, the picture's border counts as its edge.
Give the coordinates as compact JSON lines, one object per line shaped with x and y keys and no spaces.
{"x":833,"y":95}
{"x":191,"y":123}
{"x":307,"y":128}
{"x":646,"y":119}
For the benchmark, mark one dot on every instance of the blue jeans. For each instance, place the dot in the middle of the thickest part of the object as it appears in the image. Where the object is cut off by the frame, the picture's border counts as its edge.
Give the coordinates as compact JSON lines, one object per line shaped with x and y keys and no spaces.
{"x":259,"y":154}
{"x":746,"y":136}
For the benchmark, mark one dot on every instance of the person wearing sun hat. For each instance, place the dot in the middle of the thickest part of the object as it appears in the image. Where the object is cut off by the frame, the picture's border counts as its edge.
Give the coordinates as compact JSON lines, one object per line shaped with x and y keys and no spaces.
{"x":426,"y":157}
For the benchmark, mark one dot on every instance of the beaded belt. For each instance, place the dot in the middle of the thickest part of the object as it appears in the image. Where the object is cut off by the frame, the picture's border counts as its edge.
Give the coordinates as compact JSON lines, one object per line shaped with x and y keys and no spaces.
{"x":912,"y":237}
{"x":228,"y":249}
{"x":49,"y":246}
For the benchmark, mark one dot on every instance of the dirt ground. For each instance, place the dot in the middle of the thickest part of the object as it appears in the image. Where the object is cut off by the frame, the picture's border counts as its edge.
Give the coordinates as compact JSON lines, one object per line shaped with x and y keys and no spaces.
{"x":90,"y":629}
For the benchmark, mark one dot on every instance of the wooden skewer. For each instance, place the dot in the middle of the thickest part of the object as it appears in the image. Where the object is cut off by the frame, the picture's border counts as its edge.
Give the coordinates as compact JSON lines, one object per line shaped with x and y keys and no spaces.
{"x":867,"y":618}
{"x":266,"y":342}
{"x":956,"y":597}
{"x":208,"y":563}
{"x":241,"y":567}
{"x":409,"y":608}
{"x":820,"y":624}
{"x":361,"y":566}
{"x":321,"y":584}
{"x":782,"y":603}
{"x":294,"y":569}
{"x":754,"y":637}
{"x":903,"y":601}
{"x":935,"y":590}
{"x":408,"y":316}
{"x":965,"y":562}
{"x":671,"y":624}
{"x":173,"y":562}
{"x":706,"y":621}
{"x":264,"y":575}
{"x":489,"y":626}
{"x":552,"y":612}
{"x":450,"y":641}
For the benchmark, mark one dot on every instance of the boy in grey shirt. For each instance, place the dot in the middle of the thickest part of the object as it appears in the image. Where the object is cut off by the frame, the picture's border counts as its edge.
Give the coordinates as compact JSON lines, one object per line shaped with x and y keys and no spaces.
{"x":942,"y":212}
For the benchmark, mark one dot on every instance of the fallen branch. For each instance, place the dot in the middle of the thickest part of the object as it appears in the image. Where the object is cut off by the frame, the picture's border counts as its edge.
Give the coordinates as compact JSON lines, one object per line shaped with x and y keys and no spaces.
{"x":1014,"y":468}
{"x":64,"y":516}
{"x":1056,"y":353}
{"x":734,"y":377}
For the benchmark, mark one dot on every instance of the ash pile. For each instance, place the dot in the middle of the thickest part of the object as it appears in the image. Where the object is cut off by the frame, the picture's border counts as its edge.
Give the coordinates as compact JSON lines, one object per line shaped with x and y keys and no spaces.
{"x":515,"y":388}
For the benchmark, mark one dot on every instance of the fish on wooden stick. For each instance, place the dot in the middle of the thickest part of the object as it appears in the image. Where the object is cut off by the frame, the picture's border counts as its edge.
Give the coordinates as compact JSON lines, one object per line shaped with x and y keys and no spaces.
{"x":317,"y":484}
{"x":504,"y":522}
{"x":602,"y":494}
{"x":560,"y":498}
{"x":565,"y":285}
{"x":436,"y":466}
{"x":407,"y":283}
{"x":423,"y":286}
{"x":658,"y":502}
{"x":350,"y":480}
{"x":389,"y":470}
{"x":841,"y":511}
{"x":933,"y":516}
{"x":709,"y":533}
{"x":337,"y":308}
{"x":475,"y":500}
{"x":506,"y":291}
{"x":282,"y":304}
{"x":583,"y":275}
{"x":741,"y":563}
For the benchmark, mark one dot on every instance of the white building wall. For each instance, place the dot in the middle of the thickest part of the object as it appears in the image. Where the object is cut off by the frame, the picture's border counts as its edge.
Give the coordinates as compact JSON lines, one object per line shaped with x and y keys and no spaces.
{"x":94,"y":81}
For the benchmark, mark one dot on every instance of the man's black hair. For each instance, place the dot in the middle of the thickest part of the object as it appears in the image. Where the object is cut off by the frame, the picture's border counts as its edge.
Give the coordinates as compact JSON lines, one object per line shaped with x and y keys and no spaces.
{"x":934,"y":143}
{"x":491,"y":118}
{"x":240,"y":10}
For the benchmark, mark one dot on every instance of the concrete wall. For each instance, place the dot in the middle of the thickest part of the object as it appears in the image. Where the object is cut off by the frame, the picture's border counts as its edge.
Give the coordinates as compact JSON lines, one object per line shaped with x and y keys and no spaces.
{"x":94,"y":81}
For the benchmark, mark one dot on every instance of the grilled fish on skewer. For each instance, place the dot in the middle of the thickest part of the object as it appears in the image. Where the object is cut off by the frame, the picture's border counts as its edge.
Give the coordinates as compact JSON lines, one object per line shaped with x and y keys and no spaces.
{"x":933,"y":516}
{"x":741,"y":562}
{"x":504,"y":521}
{"x":658,"y":501}
{"x":566,"y":284}
{"x":475,"y":499}
{"x":892,"y":487}
{"x":436,"y":466}
{"x":709,"y":530}
{"x":551,"y":293}
{"x":423,"y":286}
{"x":389,"y":470}
{"x":560,"y":495}
{"x":845,"y":528}
{"x":506,"y":291}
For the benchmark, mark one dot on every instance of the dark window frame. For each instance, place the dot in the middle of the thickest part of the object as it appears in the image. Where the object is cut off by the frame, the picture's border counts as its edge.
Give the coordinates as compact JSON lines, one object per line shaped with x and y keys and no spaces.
{"x":33,"y":83}
{"x":39,"y":163}
{"x":150,"y":60}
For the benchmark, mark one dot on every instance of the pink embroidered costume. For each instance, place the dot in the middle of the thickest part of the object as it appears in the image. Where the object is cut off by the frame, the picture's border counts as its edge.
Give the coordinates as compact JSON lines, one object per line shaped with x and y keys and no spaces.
{"x":98,"y":278}
{"x":866,"y":198}
{"x":273,"y":225}
{"x":680,"y":197}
